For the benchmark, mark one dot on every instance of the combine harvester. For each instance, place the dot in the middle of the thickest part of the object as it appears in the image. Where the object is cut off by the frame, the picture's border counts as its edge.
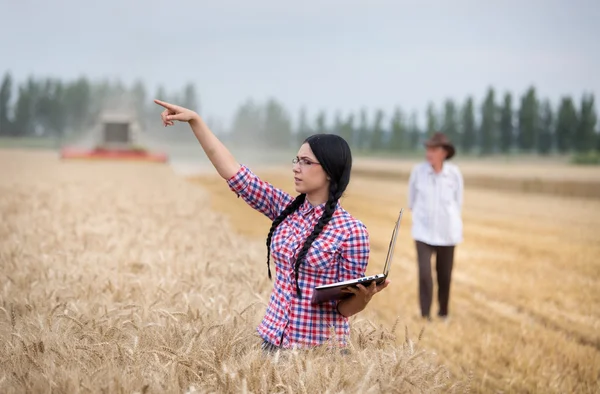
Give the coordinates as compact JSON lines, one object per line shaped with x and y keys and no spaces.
{"x":116,"y":139}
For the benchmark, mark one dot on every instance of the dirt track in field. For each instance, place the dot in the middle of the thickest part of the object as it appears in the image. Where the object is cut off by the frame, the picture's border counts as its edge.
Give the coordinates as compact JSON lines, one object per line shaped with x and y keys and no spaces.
{"x":525,"y":300}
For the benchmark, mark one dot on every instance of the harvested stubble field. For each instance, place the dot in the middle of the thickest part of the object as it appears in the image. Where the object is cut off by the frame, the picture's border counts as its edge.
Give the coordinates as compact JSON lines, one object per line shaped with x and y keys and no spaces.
{"x":525,"y":299}
{"x":118,"y":277}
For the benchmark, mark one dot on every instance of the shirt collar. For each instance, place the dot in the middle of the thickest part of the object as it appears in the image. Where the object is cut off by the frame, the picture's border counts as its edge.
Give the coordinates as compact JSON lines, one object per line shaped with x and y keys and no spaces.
{"x":444,"y":171}
{"x":308,"y":209}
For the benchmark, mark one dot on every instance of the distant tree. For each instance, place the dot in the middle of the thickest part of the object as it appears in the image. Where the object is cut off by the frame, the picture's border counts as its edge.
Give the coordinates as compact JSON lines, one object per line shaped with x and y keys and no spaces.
{"x":320,"y":123}
{"x":303,"y":130}
{"x":468,"y":126}
{"x":432,"y":122}
{"x":278,"y":126}
{"x":377,"y":134}
{"x":363,"y":130}
{"x":138,"y":91}
{"x":546,"y":137}
{"x":247,"y":126}
{"x":347,"y":131}
{"x":450,"y":125}
{"x":77,"y":101}
{"x":528,"y":120}
{"x":25,"y":109}
{"x":487,"y":129}
{"x":413,"y":131}
{"x":190,"y":98}
{"x":584,"y":137}
{"x":50,"y":109}
{"x":5,"y":97}
{"x":506,"y":124}
{"x":566,"y":125}
{"x":398,"y":130}
{"x":337,"y":123}
{"x":161,"y":94}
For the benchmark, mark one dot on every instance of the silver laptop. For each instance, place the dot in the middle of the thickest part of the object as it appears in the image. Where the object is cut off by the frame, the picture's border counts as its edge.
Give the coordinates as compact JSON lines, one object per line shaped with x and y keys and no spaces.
{"x":333,"y":291}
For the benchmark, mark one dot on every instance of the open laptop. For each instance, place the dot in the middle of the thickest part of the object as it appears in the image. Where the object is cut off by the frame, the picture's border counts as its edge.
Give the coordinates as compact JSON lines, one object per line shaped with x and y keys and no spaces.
{"x":334,"y":291}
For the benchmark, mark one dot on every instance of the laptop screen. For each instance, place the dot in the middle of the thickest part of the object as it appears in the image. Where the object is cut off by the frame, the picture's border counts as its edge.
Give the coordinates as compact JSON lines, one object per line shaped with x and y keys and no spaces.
{"x":388,"y":260}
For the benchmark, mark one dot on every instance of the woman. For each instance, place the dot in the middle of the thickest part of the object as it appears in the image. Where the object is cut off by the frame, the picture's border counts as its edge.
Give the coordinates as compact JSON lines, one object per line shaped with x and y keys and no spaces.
{"x":312,"y":239}
{"x":435,"y":199}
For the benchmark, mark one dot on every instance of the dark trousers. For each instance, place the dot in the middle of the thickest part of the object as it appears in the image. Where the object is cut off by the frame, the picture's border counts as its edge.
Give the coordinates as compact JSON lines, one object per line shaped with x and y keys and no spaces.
{"x":443,"y":266}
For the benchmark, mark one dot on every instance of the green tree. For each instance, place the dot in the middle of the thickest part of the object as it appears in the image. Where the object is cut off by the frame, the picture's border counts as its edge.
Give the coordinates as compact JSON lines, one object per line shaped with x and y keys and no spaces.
{"x":347,"y":131}
{"x":25,"y":118}
{"x":566,"y":125}
{"x":506,"y":124}
{"x":50,"y":109}
{"x":278,"y":126}
{"x":487,"y":130}
{"x":398,"y":129}
{"x":363,"y":130}
{"x":77,"y":101}
{"x":303,"y":131}
{"x":468,"y":126}
{"x":546,"y":137}
{"x":413,"y":131}
{"x":138,"y":91}
{"x":190,"y":97}
{"x":528,"y":120}
{"x":5,"y":97}
{"x":247,"y":126}
{"x":320,"y":123}
{"x":450,"y":126}
{"x":337,"y":123}
{"x":432,"y":122}
{"x":584,"y":137}
{"x":377,"y":135}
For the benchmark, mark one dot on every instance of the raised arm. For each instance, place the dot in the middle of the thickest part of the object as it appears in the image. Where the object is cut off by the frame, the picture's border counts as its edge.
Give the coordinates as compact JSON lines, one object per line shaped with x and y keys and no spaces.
{"x":259,"y":194}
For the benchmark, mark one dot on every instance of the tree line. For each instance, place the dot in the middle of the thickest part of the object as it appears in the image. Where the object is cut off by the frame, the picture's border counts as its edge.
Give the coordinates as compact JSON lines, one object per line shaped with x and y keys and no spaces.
{"x":506,"y":124}
{"x":52,"y":107}
{"x":499,"y":124}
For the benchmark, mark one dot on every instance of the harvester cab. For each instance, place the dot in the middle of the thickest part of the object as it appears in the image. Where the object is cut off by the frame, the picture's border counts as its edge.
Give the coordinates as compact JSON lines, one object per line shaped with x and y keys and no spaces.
{"x":116,"y":137}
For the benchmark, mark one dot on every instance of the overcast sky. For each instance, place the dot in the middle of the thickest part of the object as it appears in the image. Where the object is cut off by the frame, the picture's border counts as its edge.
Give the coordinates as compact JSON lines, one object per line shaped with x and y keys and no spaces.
{"x":327,"y":54}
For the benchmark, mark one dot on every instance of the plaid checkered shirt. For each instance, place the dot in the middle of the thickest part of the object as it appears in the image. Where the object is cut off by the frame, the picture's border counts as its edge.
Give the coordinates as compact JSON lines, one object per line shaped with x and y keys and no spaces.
{"x":341,"y":252}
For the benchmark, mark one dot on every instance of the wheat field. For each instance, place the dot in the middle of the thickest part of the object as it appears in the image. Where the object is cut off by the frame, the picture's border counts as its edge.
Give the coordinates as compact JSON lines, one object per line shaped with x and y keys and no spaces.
{"x":121,"y":278}
{"x":525,"y":295}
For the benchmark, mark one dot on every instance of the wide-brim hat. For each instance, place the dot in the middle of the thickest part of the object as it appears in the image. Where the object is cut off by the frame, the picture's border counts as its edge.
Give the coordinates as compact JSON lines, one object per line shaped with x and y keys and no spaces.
{"x":440,"y":139}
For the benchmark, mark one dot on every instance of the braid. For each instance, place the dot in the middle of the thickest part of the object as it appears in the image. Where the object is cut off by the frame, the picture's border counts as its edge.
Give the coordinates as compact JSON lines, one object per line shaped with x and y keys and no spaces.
{"x":285,"y":213}
{"x":323,"y":220}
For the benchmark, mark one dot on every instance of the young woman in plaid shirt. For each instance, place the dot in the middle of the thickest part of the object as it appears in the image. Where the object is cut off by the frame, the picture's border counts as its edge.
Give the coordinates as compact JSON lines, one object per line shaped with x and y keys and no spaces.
{"x":312,"y":239}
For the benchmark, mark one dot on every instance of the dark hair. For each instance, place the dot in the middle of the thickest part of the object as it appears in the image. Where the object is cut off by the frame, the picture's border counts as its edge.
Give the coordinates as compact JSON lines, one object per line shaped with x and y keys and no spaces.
{"x":333,"y":153}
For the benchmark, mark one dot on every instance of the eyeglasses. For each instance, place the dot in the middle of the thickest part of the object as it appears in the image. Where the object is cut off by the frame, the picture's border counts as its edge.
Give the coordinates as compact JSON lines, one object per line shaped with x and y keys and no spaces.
{"x":304,"y":162}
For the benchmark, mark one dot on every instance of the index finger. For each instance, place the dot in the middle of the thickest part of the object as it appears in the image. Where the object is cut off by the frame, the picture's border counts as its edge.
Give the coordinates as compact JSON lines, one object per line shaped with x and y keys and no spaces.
{"x":164,"y":104}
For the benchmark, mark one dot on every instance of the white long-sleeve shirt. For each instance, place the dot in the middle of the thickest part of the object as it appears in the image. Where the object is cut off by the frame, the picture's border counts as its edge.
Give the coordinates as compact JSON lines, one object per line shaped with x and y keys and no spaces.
{"x":436,"y":203}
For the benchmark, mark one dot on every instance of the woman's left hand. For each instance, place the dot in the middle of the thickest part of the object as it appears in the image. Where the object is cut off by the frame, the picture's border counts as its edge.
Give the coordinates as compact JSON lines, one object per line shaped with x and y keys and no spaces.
{"x":366,"y":293}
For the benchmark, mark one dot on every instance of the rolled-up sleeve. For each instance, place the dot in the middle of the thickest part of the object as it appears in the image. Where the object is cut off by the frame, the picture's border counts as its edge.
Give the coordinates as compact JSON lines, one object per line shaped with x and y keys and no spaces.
{"x":258,"y":194}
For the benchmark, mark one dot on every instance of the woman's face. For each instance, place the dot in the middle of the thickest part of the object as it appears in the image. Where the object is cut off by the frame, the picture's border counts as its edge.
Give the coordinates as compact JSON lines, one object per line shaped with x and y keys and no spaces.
{"x":435,"y":155}
{"x":309,"y":176}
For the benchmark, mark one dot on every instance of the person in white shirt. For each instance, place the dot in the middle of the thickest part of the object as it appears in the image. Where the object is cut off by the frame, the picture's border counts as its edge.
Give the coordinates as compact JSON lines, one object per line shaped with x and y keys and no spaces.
{"x":435,"y":196}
